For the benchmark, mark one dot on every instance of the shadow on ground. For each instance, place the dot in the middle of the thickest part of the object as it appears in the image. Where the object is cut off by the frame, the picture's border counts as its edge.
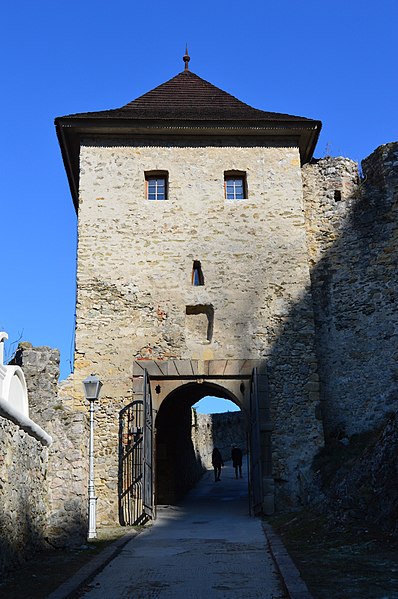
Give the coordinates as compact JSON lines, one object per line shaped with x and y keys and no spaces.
{"x":44,"y":573}
{"x":340,"y":563}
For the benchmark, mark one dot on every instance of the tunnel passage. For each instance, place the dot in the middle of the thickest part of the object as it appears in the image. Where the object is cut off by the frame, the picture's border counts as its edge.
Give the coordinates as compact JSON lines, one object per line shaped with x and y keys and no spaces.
{"x":178,"y":467}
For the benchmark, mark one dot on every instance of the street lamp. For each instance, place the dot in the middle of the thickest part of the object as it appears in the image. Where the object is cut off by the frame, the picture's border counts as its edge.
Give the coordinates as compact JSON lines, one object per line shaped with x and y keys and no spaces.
{"x":92,"y":387}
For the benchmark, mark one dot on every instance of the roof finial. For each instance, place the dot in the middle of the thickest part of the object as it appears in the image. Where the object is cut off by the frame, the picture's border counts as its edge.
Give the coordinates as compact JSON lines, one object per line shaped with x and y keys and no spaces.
{"x":186,"y":58}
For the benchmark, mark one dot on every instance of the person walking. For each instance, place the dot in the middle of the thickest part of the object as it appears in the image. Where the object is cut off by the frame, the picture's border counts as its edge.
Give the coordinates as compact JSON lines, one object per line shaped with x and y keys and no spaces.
{"x":236,"y":457}
{"x":217,"y":461}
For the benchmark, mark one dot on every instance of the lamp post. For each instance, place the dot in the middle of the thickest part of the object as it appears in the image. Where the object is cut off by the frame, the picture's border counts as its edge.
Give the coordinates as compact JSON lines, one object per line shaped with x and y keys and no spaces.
{"x":92,"y":386}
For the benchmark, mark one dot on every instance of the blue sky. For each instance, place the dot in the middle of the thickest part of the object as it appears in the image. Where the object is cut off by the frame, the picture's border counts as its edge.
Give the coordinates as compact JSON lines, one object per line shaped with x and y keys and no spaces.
{"x":212,"y":405}
{"x":333,"y":61}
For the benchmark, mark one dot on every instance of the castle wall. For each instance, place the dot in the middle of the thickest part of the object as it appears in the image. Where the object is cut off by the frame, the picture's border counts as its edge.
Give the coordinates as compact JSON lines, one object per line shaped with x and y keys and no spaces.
{"x":353,"y":255}
{"x":135,"y":261}
{"x":43,"y":473}
{"x":23,"y":493}
{"x":67,"y":460}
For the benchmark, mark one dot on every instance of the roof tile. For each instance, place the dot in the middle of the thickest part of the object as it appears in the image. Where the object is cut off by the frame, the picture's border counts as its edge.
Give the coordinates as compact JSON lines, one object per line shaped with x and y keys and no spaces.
{"x":188,"y":96}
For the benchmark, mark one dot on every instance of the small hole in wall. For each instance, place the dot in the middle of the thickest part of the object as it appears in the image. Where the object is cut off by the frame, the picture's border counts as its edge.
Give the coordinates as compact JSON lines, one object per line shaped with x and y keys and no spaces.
{"x":337,"y":195}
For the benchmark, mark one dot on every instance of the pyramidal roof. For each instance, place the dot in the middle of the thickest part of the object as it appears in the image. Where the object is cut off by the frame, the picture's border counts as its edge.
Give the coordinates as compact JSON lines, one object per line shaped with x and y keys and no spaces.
{"x":186,"y":105}
{"x":189,"y":97}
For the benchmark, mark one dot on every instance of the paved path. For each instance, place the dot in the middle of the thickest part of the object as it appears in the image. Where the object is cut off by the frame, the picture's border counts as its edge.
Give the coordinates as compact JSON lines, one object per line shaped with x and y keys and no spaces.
{"x":206,"y":547}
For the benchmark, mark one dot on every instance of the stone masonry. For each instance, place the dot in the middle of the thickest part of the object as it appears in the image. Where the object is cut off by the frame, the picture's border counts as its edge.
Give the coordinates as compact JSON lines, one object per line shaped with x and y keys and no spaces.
{"x":351,"y":238}
{"x":353,"y":253}
{"x":24,"y":495}
{"x":135,"y":262}
{"x":298,"y":275}
{"x":67,"y":461}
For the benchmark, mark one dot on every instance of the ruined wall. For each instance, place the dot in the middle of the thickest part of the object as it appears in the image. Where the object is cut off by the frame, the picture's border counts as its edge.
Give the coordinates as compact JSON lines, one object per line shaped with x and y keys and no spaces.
{"x":23,"y":494}
{"x":353,"y":251}
{"x":67,"y":462}
{"x":136,"y":299}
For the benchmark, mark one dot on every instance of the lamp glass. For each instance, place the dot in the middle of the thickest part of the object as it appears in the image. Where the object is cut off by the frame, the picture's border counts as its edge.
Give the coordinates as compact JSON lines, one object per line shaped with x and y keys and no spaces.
{"x":92,"y":386}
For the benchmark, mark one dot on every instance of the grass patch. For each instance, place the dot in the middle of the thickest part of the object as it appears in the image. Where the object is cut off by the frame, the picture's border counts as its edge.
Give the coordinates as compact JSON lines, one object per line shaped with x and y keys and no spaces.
{"x":340,"y":564}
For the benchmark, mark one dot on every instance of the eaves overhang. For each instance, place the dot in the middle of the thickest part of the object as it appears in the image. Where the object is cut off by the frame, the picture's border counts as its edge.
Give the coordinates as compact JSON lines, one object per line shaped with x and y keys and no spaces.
{"x":71,"y":130}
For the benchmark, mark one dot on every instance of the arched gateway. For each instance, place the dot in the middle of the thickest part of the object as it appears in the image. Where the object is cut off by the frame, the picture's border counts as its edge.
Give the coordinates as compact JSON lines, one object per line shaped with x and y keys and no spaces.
{"x":155,"y":423}
{"x":193,"y":266}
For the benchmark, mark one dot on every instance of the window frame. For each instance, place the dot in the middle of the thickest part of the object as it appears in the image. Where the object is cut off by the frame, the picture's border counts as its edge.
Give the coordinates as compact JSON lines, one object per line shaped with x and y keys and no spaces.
{"x":235,"y":176}
{"x":157,"y":176}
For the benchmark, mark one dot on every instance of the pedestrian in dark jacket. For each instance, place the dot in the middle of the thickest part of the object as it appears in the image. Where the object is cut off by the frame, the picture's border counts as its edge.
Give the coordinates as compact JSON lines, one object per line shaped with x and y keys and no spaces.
{"x":218,"y":463}
{"x":236,"y":457}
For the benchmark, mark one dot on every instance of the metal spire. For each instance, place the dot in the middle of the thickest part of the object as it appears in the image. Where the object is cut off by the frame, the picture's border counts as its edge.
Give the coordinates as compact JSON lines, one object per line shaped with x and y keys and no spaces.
{"x":186,"y":58}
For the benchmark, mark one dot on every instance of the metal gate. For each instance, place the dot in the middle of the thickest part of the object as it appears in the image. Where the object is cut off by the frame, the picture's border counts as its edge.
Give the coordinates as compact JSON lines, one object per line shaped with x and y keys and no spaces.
{"x":148,"y":499}
{"x":136,"y":504}
{"x":255,"y":479}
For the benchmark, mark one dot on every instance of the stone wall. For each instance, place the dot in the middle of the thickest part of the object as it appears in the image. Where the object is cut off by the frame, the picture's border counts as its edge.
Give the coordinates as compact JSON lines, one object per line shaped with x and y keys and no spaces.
{"x":66,"y":472}
{"x":218,"y":430}
{"x":135,"y":295}
{"x":368,"y":493}
{"x":23,"y":493}
{"x":352,"y":232}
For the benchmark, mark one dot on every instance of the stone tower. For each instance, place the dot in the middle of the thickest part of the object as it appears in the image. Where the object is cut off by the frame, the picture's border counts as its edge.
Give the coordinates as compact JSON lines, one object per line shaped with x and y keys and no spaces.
{"x":192,"y":260}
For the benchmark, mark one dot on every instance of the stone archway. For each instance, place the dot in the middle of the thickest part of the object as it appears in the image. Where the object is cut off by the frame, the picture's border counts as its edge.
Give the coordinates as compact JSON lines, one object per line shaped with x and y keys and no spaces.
{"x":178,"y":464}
{"x":243,"y":381}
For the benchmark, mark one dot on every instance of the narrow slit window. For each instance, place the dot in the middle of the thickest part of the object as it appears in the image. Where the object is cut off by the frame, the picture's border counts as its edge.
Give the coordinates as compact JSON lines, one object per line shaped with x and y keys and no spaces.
{"x":235,"y":186}
{"x":156,"y":185}
{"x":337,"y":195}
{"x":197,"y":274}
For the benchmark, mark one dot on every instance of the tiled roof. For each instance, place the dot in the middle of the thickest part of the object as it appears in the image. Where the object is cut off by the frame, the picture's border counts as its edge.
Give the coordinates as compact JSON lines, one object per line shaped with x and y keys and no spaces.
{"x":185,"y":105}
{"x":189,"y":97}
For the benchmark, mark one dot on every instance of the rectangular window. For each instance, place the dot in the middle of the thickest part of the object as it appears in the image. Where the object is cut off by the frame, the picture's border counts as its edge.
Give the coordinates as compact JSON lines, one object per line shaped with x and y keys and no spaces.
{"x":235,"y":186}
{"x":156,"y":185}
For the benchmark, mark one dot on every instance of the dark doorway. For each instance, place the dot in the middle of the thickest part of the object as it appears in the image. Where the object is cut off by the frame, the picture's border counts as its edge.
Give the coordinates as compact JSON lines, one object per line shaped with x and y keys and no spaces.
{"x":179,"y":463}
